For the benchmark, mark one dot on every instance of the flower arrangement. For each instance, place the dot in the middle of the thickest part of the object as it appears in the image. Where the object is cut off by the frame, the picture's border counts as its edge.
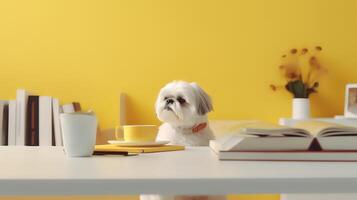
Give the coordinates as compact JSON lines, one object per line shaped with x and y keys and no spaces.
{"x":302,"y":70}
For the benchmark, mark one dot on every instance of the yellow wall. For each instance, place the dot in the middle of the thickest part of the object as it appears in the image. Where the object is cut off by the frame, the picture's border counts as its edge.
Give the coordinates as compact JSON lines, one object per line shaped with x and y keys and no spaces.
{"x":88,"y":51}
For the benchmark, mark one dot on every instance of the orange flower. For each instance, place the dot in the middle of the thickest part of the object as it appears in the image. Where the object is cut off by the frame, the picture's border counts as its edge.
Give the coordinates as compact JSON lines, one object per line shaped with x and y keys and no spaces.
{"x":304,"y":51}
{"x":292,"y":75}
{"x":291,"y":71}
{"x":276,"y":87}
{"x":314,"y":63}
{"x":316,"y":70}
{"x":293,"y":51}
{"x":273,"y":87}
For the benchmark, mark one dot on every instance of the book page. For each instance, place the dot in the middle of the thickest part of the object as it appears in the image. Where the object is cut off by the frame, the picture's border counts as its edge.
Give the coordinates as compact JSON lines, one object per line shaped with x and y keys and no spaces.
{"x":257,"y":128}
{"x":314,"y":127}
{"x":264,"y":129}
{"x":228,"y":127}
{"x":322,"y":129}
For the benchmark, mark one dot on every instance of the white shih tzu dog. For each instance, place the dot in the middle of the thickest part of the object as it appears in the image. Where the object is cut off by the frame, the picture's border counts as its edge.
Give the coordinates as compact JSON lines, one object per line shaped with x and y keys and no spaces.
{"x":183,"y":108}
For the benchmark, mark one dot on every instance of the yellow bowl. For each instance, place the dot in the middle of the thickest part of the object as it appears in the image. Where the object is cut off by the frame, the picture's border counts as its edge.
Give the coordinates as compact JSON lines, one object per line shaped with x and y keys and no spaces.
{"x":140,"y":133}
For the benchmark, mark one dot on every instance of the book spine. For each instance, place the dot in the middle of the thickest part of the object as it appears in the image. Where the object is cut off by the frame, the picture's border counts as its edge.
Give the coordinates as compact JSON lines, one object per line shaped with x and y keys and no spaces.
{"x":2,"y":123}
{"x":45,"y":121}
{"x":5,"y":125}
{"x":21,"y":99}
{"x":56,"y":122}
{"x":32,"y":125}
{"x":12,"y":123}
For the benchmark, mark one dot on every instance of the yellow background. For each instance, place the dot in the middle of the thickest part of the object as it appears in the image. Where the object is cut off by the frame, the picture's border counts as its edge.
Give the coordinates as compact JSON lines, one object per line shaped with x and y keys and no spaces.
{"x":89,"y":51}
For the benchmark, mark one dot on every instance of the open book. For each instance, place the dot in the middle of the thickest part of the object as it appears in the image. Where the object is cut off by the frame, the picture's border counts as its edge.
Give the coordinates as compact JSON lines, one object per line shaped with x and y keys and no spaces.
{"x":305,"y":136}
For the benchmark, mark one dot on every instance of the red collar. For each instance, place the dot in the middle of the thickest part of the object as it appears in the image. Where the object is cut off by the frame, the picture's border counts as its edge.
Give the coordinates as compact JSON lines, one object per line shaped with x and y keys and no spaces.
{"x":199,"y":127}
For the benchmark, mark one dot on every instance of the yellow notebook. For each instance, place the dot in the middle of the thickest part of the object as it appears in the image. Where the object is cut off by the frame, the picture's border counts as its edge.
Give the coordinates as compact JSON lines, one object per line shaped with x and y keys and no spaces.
{"x":115,"y":148}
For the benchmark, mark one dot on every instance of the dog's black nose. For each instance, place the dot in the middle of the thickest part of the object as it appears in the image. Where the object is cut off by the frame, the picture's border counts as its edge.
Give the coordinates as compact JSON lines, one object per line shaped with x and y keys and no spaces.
{"x":169,"y":101}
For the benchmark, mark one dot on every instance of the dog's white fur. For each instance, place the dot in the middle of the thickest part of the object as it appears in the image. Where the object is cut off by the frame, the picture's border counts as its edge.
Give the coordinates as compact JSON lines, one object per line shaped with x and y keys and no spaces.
{"x":182,"y":106}
{"x":180,"y":118}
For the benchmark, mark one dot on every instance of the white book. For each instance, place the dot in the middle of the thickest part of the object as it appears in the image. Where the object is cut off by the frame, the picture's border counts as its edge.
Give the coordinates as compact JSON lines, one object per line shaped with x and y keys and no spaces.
{"x":45,"y":121}
{"x":21,"y":108}
{"x":330,"y":155}
{"x":306,"y":141}
{"x":68,"y":108}
{"x":12,"y":123}
{"x":56,"y":122}
{"x":3,"y":121}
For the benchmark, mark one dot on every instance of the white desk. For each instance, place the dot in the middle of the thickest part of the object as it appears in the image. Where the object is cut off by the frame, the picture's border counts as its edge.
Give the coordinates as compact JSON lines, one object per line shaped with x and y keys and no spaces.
{"x":46,"y":171}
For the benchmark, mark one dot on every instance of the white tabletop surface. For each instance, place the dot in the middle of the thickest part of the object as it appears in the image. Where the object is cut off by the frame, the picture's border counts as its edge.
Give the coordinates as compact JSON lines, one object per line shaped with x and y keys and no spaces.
{"x":47,"y":171}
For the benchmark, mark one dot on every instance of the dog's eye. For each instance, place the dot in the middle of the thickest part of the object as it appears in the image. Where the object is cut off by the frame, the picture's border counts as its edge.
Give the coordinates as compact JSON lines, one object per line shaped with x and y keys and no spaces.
{"x":181,"y":100}
{"x":166,"y":98}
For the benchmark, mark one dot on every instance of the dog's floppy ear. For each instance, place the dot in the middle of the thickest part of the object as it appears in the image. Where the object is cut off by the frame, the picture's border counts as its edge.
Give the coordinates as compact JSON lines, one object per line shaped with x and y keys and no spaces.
{"x":204,"y":103}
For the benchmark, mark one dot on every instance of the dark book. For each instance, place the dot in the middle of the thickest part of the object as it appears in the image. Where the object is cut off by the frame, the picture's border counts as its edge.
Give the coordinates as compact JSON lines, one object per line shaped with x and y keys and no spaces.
{"x":53,"y":133}
{"x":5,"y":126}
{"x":4,"y":105}
{"x":32,"y":124}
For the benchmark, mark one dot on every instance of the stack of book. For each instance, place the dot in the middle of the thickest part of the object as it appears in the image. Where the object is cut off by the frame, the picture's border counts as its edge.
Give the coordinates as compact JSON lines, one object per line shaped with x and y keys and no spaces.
{"x":306,"y":141}
{"x":32,"y":120}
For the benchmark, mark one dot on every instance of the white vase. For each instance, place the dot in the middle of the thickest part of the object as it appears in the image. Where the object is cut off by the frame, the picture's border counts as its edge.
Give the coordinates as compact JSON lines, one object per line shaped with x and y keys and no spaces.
{"x":301,"y":108}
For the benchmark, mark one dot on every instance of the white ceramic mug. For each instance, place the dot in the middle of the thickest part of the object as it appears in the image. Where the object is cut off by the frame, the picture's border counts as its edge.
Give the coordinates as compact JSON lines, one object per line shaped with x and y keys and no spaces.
{"x":79,"y":133}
